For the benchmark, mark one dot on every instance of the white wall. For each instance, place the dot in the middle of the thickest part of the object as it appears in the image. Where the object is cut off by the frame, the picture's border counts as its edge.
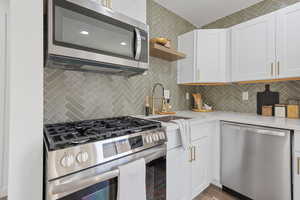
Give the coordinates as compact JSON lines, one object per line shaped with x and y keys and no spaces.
{"x":3,"y":139}
{"x":25,"y":99}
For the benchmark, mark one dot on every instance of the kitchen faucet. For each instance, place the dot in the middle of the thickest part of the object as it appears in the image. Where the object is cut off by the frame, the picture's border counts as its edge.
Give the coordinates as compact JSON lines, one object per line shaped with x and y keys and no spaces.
{"x":153,"y":93}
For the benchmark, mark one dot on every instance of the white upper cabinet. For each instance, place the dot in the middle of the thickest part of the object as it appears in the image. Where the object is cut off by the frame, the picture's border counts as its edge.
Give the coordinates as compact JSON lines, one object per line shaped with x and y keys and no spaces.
{"x":186,"y":68}
{"x":207,"y":58}
{"x":213,"y":55}
{"x":253,"y":49}
{"x":136,"y":9}
{"x":267,"y":47}
{"x":263,"y":48}
{"x":288,"y":42}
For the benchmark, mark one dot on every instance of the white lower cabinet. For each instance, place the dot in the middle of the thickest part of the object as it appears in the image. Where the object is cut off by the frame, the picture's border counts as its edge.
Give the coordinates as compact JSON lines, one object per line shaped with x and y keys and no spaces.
{"x":178,"y":174}
{"x":200,"y":166}
{"x":297,"y":175}
{"x":191,"y":170}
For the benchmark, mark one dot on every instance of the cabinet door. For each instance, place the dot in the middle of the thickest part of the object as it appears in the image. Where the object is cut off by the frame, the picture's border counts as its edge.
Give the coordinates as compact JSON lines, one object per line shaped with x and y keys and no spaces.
{"x":253,"y":49}
{"x":200,"y":166}
{"x":297,"y":175}
{"x":136,"y":9}
{"x":186,"y":67}
{"x":288,"y":42}
{"x":212,"y":55}
{"x":178,"y":174}
{"x":215,"y":154}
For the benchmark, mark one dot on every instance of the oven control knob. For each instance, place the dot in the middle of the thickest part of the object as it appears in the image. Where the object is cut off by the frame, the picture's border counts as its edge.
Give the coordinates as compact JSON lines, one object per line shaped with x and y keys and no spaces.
{"x":146,"y":140}
{"x":149,"y":139}
{"x":67,"y":160}
{"x":155,"y":137}
{"x":162,"y":135}
{"x":82,"y":157}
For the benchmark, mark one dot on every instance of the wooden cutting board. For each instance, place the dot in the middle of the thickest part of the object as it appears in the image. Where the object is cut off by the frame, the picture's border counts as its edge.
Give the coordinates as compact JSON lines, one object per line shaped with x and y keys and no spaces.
{"x":266,"y":98}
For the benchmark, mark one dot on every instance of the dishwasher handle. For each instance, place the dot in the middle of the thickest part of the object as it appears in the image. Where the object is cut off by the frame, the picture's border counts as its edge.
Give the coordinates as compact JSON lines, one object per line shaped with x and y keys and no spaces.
{"x":268,"y":132}
{"x":257,"y":130}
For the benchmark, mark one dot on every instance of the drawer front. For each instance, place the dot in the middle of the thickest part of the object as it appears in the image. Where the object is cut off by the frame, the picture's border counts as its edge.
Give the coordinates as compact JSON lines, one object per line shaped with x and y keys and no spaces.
{"x":297,"y":141}
{"x":201,"y":130}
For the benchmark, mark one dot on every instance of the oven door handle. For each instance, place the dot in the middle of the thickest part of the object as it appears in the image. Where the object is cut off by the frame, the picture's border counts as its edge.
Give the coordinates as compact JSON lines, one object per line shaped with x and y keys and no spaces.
{"x":138,"y":44}
{"x":81,"y":184}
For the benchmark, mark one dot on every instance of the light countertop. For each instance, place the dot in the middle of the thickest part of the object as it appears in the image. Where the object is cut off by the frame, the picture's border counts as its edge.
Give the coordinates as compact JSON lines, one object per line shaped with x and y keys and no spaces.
{"x":245,"y":118}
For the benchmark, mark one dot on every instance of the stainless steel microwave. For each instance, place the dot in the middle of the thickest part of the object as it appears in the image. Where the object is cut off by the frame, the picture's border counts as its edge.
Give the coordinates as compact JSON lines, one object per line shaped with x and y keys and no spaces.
{"x":83,"y":35}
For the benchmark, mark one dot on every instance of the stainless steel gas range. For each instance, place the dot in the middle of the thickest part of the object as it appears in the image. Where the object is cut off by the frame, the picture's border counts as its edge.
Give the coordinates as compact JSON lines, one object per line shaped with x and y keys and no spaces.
{"x":82,"y":158}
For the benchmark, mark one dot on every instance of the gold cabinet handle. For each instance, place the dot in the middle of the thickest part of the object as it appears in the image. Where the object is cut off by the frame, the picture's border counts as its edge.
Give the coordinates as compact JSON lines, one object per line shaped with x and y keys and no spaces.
{"x":194,"y":153}
{"x":104,"y":3}
{"x":272,"y":69}
{"x":298,"y":165}
{"x":198,"y":75}
{"x":278,"y":68}
{"x":191,"y":154}
{"x":107,"y":3}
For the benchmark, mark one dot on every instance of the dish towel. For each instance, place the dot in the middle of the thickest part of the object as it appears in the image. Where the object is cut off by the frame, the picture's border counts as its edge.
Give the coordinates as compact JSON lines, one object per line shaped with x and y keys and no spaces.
{"x":184,"y":130}
{"x":132,"y":181}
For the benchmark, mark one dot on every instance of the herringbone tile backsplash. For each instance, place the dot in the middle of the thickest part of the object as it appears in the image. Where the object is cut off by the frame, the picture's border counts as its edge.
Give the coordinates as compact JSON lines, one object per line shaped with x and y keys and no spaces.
{"x":229,"y":98}
{"x":73,"y":96}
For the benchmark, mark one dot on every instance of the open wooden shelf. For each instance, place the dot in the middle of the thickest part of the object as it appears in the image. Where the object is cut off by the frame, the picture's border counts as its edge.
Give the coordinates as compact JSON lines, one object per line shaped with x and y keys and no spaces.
{"x":165,"y":53}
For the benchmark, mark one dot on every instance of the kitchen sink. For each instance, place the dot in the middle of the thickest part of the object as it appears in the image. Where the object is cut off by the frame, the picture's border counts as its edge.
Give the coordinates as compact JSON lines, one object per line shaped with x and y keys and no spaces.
{"x":168,"y":118}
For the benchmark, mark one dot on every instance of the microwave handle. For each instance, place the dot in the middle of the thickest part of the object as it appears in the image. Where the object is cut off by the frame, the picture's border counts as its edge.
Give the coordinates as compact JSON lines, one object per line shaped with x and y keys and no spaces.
{"x":75,"y":186}
{"x":138,"y":44}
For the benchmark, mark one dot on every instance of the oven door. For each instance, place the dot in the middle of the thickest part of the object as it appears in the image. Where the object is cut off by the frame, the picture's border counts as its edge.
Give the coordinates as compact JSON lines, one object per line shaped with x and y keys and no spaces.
{"x":106,"y":190}
{"x":86,"y":30}
{"x":101,"y":182}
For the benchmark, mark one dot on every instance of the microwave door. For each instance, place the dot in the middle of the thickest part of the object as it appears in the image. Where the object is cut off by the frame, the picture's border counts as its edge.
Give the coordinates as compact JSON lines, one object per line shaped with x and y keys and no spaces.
{"x":93,"y":34}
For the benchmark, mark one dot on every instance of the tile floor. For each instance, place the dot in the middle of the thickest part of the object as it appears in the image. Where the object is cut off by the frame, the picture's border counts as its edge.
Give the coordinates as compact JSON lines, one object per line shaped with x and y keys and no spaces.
{"x":215,"y":193}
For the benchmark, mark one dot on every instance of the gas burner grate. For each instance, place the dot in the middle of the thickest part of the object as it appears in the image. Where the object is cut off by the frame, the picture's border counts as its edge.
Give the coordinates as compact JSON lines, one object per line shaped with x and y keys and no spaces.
{"x":63,"y":135}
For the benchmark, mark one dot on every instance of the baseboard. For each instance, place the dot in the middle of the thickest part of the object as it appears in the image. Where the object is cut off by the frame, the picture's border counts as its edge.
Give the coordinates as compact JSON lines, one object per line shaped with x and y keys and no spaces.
{"x":3,"y":192}
{"x":216,"y":183}
{"x":200,"y":190}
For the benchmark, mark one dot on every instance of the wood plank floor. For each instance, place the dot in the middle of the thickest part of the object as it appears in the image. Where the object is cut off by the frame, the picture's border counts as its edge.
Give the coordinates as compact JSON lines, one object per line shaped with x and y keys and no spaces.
{"x":211,"y":193}
{"x":214,"y":193}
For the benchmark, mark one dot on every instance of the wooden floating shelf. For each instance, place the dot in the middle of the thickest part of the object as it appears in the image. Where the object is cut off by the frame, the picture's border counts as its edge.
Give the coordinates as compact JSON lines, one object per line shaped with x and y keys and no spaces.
{"x":165,"y":53}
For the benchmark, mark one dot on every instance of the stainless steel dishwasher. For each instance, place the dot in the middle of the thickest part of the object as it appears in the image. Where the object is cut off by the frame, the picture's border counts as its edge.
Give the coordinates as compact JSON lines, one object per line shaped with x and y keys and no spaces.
{"x":256,"y":161}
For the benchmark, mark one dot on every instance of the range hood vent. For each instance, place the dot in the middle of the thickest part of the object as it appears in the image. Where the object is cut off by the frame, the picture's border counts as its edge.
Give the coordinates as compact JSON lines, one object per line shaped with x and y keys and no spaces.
{"x":74,"y":64}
